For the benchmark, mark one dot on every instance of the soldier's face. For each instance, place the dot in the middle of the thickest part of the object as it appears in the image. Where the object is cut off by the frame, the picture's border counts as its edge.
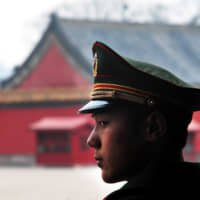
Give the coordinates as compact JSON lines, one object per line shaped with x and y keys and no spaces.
{"x":119,"y":148}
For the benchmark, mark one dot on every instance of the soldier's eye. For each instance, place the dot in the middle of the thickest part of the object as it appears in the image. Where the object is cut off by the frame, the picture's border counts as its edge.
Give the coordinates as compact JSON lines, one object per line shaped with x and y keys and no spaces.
{"x":103,"y":123}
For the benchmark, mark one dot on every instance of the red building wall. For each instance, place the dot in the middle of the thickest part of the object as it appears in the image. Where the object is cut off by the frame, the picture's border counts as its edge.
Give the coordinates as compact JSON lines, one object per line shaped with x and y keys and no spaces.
{"x":192,"y":148}
{"x":196,"y":117}
{"x":16,"y":136}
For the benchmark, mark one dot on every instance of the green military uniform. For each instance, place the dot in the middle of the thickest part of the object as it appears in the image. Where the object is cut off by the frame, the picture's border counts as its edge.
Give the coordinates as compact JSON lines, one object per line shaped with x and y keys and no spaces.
{"x":121,"y":78}
{"x":177,"y":181}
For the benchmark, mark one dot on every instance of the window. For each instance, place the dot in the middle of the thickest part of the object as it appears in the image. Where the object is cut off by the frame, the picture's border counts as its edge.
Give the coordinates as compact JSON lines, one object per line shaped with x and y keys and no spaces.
{"x":53,"y":142}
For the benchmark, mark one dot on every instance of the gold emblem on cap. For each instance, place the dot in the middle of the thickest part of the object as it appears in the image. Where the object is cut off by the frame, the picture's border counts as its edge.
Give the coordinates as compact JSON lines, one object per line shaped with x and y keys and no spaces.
{"x":150,"y":102}
{"x":95,"y":64}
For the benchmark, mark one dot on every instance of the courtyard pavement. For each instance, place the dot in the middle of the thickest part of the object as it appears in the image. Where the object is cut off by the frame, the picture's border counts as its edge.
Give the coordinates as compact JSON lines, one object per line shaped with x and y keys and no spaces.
{"x":53,"y":183}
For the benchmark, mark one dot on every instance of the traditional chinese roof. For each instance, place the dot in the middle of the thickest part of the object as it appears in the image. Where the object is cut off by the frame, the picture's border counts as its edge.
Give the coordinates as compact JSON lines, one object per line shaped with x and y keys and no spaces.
{"x":174,"y":47}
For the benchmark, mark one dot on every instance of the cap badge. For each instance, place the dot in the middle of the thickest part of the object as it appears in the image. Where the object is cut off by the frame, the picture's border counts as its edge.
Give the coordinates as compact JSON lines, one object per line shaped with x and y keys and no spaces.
{"x":95,"y":64}
{"x":150,"y":102}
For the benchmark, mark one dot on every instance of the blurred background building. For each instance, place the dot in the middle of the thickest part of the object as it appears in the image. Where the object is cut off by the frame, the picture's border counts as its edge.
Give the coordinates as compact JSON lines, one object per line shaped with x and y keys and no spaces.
{"x":39,"y":101}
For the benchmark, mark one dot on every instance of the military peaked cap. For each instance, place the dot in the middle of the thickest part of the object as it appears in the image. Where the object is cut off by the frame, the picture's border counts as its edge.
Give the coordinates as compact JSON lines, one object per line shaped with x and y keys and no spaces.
{"x":120,"y":78}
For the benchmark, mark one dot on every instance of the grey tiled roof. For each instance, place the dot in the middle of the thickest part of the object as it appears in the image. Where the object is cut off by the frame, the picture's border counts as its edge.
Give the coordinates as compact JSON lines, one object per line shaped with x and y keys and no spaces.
{"x":176,"y":48}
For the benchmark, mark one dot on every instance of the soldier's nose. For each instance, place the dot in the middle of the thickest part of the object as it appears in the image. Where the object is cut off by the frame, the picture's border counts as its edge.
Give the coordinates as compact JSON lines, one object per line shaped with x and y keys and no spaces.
{"x":94,"y":140}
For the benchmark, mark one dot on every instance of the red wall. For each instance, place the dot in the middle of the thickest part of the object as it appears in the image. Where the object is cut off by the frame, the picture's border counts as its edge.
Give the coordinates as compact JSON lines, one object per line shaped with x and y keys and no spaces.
{"x":16,"y":136}
{"x":53,"y":71}
{"x":196,"y":116}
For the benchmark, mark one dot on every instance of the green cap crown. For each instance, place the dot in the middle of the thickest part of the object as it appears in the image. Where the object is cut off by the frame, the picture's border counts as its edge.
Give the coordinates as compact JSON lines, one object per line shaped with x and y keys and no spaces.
{"x":157,"y":71}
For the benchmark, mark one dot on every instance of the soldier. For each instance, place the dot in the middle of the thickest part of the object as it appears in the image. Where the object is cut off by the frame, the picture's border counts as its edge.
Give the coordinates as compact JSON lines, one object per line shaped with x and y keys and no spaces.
{"x":141,"y":114}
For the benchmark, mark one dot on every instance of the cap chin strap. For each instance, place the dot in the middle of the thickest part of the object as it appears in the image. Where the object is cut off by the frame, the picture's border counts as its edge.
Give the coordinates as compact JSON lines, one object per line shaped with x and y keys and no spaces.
{"x":140,"y":99}
{"x":113,"y":94}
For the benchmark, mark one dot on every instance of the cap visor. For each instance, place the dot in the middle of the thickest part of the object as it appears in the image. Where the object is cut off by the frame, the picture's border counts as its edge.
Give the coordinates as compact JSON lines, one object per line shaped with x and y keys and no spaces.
{"x":93,"y":106}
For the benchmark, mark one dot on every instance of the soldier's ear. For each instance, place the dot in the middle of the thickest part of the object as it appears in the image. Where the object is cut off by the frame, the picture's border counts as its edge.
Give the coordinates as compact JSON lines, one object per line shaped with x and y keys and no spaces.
{"x":155,"y":126}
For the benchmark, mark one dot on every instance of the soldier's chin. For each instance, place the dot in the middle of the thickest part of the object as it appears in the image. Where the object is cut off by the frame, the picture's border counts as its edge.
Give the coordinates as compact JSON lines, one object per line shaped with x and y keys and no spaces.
{"x":110,"y":178}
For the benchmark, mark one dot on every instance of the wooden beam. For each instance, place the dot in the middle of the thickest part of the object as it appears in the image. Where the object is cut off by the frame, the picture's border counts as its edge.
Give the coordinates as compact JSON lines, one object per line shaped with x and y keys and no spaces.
{"x":42,"y":95}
